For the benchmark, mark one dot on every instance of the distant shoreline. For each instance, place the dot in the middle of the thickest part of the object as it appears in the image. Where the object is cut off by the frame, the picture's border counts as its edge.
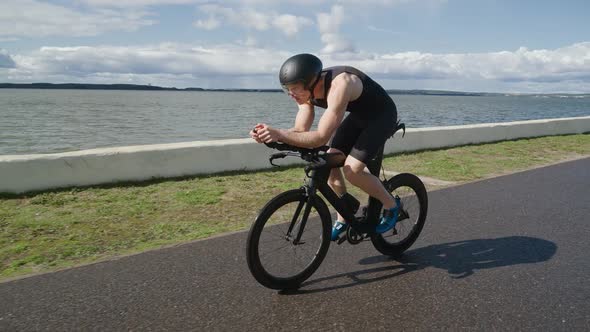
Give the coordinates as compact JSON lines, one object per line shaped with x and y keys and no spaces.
{"x":138,"y":87}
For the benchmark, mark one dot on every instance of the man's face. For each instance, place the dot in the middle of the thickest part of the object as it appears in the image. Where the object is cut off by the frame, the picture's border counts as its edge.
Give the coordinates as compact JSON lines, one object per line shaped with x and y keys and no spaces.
{"x":297,"y":92}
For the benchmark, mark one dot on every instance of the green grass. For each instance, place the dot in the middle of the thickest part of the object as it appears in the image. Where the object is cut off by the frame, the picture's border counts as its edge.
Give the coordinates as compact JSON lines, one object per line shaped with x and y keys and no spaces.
{"x":474,"y":162}
{"x":51,"y":230}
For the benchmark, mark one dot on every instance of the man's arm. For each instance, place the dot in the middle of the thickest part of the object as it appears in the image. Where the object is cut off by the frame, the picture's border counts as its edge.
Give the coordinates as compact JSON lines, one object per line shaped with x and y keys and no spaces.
{"x":330,"y":120}
{"x":303,"y":123}
{"x":304,"y":118}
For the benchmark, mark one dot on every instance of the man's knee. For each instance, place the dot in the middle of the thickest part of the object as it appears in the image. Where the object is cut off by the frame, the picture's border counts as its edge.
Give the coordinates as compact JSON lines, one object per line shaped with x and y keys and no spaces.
{"x":353,"y":168}
{"x":351,"y":173}
{"x":348,"y":174}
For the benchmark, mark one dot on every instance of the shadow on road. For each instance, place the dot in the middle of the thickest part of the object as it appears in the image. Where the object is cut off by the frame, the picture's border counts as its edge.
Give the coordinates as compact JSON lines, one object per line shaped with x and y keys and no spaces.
{"x":460,"y":259}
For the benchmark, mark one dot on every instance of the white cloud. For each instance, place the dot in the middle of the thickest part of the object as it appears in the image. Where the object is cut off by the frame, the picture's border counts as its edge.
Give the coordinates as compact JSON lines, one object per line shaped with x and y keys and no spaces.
{"x":166,"y":58}
{"x":146,"y":3}
{"x":6,"y":60}
{"x":251,"y":18}
{"x":210,"y":23}
{"x":329,"y":25}
{"x":136,"y":3}
{"x":227,"y":14}
{"x":143,"y":3}
{"x":290,"y":24}
{"x":249,"y":42}
{"x":36,"y":18}
{"x":29,"y":18}
{"x":562,"y":69}
{"x":562,"y":64}
{"x":385,"y":2}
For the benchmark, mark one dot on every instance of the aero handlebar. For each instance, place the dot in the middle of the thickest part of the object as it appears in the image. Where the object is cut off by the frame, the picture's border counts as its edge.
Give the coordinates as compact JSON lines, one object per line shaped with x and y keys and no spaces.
{"x":310,"y":155}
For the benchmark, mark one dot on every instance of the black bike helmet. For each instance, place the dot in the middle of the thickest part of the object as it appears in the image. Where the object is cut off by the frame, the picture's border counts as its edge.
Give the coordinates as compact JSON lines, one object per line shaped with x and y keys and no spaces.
{"x":301,"y":68}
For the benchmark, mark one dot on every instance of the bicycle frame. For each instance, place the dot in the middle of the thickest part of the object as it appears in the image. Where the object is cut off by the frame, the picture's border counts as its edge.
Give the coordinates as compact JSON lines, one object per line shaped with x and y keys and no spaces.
{"x":319,"y":181}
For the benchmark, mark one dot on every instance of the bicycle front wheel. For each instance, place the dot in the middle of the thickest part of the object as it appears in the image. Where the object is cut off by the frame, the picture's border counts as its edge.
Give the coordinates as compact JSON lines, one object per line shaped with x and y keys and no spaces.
{"x":274,"y":258}
{"x":412,"y":193}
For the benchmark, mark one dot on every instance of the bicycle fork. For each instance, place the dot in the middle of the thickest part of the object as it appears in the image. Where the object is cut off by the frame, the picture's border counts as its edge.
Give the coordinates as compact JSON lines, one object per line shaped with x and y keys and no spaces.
{"x":308,"y":205}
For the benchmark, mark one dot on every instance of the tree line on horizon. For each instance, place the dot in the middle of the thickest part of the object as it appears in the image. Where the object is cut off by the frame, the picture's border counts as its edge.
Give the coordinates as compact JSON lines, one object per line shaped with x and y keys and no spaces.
{"x":90,"y":86}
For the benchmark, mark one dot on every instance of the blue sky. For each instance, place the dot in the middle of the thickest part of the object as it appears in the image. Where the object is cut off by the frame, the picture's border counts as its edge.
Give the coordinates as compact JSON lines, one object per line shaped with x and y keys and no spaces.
{"x":470,"y":45}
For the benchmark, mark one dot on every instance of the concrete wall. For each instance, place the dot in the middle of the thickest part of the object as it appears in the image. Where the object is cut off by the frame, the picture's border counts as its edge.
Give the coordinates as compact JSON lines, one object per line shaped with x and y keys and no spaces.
{"x":22,"y":173}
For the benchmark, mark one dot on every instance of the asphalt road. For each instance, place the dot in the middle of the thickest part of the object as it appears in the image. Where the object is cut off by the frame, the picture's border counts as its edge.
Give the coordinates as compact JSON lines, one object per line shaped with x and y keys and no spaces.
{"x":510,"y":253}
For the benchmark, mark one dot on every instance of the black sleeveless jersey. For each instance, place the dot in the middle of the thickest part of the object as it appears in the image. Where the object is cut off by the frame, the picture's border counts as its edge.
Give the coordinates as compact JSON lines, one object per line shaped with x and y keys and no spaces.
{"x":373,"y":98}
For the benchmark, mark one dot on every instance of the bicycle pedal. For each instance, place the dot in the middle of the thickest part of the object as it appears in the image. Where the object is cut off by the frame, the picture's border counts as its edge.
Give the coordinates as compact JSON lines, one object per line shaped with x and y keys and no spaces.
{"x":341,"y":239}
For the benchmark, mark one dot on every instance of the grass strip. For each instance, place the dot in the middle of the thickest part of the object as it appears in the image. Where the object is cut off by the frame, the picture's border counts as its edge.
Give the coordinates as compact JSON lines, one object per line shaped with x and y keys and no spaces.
{"x":51,"y":230}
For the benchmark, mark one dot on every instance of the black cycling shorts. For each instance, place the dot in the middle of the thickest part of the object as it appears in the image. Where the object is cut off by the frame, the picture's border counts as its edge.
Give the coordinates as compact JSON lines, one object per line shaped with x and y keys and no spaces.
{"x":362,"y":134}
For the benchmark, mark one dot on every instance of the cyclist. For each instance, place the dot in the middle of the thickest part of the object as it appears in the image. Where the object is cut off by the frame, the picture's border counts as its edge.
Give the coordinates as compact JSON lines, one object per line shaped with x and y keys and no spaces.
{"x":372,"y":120}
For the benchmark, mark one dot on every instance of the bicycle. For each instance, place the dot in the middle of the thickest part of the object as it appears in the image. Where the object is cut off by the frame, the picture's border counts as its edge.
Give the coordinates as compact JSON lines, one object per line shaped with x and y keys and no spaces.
{"x":280,"y":229}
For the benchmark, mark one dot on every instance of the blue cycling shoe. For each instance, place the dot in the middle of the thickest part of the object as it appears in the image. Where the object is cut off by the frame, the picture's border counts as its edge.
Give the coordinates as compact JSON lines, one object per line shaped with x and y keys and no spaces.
{"x":389,"y":218}
{"x":338,"y":228}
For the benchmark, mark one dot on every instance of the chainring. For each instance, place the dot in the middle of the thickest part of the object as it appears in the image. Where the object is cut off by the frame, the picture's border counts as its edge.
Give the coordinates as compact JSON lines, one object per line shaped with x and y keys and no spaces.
{"x":353,"y":236}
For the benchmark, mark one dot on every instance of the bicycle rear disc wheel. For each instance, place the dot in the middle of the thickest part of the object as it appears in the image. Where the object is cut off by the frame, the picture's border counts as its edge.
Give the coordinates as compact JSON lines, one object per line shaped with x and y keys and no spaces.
{"x":414,"y":199}
{"x":273,"y":258}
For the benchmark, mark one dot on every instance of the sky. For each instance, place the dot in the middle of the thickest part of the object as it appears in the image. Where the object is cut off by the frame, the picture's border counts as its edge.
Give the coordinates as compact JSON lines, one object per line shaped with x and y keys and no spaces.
{"x":507,"y":46}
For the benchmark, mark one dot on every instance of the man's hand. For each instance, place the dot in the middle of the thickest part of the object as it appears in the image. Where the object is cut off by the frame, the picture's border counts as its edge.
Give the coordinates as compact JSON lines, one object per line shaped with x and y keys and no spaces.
{"x":255,"y":135}
{"x":267,"y":134}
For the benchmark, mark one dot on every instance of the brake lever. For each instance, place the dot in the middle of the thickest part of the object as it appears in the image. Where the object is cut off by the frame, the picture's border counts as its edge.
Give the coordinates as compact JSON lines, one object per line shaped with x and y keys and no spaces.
{"x":274,"y":156}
